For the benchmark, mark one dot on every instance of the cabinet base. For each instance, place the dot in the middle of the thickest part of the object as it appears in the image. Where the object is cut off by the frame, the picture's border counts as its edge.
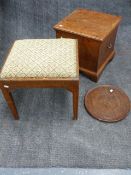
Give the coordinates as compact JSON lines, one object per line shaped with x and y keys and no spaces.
{"x":94,"y":76}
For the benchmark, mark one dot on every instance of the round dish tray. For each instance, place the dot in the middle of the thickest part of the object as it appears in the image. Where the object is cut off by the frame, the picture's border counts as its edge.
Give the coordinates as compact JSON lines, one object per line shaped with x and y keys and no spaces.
{"x":107,"y":103}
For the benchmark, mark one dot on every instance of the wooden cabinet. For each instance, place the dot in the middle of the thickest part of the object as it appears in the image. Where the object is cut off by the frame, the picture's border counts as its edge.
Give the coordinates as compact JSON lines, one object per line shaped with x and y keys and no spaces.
{"x":96,"y":34}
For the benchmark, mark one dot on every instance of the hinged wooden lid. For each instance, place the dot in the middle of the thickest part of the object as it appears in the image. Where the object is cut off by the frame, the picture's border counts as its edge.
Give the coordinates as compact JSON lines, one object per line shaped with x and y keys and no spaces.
{"x":89,"y":23}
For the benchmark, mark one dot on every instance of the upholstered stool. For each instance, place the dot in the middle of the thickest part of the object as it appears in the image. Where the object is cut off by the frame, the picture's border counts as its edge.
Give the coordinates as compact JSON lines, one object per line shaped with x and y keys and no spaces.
{"x":41,"y":63}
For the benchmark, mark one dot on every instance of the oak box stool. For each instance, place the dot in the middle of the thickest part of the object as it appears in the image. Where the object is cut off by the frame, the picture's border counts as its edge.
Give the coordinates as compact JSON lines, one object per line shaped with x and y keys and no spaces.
{"x":41,"y":63}
{"x":96,"y":33}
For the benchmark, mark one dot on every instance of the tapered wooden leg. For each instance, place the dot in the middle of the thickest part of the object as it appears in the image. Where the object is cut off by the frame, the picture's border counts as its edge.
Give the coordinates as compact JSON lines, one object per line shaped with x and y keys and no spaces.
{"x":10,"y":102}
{"x":75,"y":101}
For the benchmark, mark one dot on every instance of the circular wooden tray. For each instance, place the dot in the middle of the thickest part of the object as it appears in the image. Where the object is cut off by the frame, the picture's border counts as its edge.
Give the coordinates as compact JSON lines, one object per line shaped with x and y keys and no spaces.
{"x":107,"y":103}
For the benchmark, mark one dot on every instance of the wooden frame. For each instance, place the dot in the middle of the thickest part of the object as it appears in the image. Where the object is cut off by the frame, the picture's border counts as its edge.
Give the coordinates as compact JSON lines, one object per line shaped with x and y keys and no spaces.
{"x":71,"y":84}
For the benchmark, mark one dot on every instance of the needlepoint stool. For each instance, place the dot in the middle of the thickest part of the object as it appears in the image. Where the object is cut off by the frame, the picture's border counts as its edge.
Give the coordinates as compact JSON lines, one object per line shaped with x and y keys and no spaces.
{"x":41,"y":63}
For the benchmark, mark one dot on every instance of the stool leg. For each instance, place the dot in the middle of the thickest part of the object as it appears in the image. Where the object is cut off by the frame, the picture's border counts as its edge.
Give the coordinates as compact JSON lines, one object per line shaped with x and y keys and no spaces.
{"x":9,"y":99}
{"x":75,"y":101}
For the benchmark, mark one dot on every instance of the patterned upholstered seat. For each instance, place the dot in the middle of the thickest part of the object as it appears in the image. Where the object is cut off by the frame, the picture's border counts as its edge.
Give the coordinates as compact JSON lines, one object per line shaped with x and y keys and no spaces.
{"x":51,"y":58}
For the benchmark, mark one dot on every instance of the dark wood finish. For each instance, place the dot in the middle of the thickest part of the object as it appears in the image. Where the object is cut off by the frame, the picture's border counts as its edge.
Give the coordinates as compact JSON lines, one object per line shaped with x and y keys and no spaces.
{"x":71,"y":84}
{"x":107,"y":103}
{"x":75,"y":92}
{"x":96,"y":33}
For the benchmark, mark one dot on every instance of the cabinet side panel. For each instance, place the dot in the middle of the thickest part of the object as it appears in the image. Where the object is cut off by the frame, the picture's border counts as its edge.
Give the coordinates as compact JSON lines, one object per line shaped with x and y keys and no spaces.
{"x":107,"y":47}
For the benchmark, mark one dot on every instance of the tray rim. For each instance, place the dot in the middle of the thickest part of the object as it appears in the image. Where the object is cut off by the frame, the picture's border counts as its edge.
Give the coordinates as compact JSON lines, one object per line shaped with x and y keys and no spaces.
{"x":107,"y":85}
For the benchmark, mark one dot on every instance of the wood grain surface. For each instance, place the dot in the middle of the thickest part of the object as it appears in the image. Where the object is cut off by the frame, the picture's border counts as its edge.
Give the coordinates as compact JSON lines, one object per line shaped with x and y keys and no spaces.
{"x":107,"y":103}
{"x":96,"y":34}
{"x":88,"y":23}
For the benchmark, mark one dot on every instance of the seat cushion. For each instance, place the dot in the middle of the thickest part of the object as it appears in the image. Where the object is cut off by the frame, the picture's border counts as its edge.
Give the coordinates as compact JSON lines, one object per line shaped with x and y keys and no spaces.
{"x":37,"y":58}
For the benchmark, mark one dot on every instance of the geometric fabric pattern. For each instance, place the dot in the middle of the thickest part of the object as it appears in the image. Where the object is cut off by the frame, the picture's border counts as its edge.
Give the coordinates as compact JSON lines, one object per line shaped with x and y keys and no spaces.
{"x":37,"y":58}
